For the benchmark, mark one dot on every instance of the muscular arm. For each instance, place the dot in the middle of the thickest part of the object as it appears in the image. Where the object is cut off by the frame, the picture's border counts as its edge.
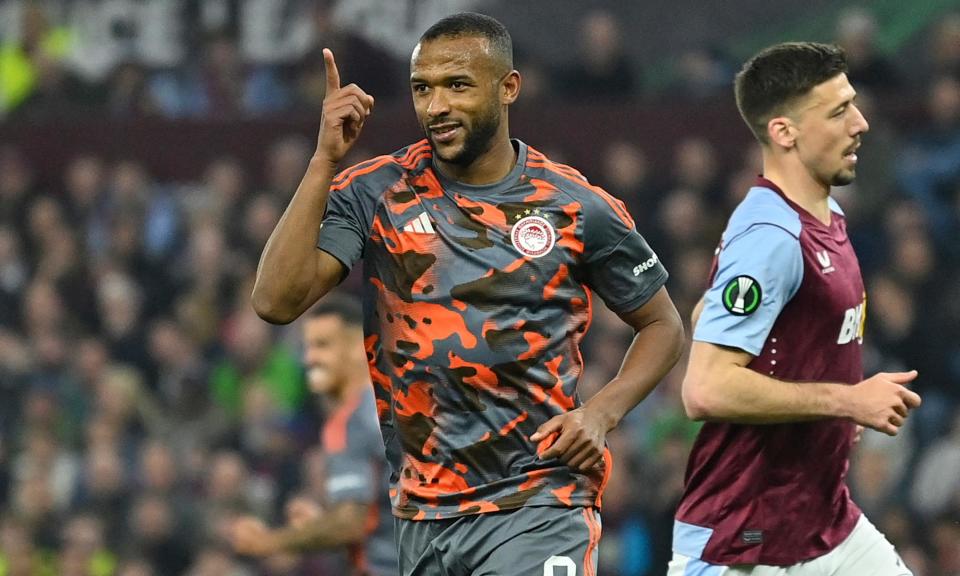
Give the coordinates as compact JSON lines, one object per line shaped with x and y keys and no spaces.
{"x":719,"y":387}
{"x":293,"y":273}
{"x":656,"y":347}
{"x":341,"y":525}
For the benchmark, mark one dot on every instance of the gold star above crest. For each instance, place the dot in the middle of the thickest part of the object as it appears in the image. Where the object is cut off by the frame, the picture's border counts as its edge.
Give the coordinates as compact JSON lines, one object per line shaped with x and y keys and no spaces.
{"x":529,"y":212}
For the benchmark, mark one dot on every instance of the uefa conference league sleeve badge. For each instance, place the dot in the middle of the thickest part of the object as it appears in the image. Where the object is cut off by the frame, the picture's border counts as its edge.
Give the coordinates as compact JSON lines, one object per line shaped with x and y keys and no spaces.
{"x":741,"y":296}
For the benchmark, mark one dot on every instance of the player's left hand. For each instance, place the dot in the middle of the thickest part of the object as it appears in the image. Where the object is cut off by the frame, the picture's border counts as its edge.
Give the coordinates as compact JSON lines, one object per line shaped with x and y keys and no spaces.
{"x":578,"y":439}
{"x":301,"y":511}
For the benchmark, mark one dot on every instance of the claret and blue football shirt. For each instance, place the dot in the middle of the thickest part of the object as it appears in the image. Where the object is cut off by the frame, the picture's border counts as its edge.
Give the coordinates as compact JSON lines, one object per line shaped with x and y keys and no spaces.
{"x":787,"y":289}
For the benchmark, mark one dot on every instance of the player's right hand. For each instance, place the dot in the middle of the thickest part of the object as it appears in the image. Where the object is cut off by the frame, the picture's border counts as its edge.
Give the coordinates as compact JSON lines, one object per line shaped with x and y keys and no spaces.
{"x":577,"y":438}
{"x":883,"y":401}
{"x":251,"y":537}
{"x":345,"y":109}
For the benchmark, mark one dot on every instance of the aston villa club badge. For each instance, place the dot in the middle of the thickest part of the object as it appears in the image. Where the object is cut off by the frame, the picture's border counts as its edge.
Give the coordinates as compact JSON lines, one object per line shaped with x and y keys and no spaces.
{"x":533,"y":236}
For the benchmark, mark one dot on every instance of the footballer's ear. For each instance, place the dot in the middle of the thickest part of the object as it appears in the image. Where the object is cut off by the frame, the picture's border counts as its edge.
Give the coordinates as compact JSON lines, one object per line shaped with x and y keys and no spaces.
{"x":510,"y":87}
{"x":782,"y":132}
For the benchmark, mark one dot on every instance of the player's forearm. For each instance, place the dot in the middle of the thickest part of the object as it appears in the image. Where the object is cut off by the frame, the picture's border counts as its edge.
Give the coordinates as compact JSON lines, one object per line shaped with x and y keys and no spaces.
{"x":318,"y":535}
{"x":342,"y":526}
{"x":654,"y":351}
{"x":288,"y":265}
{"x":740,"y":395}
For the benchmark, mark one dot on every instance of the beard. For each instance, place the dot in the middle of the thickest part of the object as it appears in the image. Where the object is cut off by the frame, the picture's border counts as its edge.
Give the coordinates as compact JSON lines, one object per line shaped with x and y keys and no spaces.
{"x":478,"y":139}
{"x":843,"y":177}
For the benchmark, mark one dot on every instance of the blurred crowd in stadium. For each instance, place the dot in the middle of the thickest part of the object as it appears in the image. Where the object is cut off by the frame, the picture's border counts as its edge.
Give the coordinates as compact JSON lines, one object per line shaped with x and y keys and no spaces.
{"x":144,"y":405}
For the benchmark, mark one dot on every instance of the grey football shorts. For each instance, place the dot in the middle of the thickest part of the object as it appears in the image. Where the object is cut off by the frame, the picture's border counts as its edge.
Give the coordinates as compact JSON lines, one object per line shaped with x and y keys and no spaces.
{"x":528,"y":541}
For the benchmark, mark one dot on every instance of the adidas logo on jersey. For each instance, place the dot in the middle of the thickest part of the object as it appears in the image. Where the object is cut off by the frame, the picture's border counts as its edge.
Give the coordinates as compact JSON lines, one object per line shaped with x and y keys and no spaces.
{"x":421,"y":225}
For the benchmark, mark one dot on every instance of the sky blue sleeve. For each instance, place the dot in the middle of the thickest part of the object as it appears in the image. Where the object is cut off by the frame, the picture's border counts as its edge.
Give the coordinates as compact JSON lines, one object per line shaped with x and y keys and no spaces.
{"x":758,"y":272}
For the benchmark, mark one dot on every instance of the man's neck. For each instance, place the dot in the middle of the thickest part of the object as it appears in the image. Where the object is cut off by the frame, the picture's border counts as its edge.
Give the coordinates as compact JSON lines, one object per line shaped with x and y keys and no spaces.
{"x":350,"y":389}
{"x":800,"y":187}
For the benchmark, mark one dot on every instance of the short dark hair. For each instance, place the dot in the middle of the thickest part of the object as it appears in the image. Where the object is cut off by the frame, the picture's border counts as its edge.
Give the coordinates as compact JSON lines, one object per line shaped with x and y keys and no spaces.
{"x":777,"y":76}
{"x":344,"y":307}
{"x":471,"y":24}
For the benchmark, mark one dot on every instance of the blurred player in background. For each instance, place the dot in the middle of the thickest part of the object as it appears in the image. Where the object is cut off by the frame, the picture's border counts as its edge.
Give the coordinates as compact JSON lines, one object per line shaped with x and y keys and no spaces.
{"x":358,"y":505}
{"x":480,"y":257}
{"x":776,"y":367}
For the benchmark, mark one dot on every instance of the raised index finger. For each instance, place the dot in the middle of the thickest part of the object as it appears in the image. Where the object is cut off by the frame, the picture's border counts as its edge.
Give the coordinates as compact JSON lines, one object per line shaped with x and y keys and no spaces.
{"x":333,"y":75}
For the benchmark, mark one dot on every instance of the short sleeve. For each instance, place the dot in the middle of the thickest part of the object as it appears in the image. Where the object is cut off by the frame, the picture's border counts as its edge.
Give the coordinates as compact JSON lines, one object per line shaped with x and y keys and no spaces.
{"x":350,"y":479}
{"x":346,"y":223}
{"x":758,"y":272}
{"x":351,"y":469}
{"x":620,"y":266}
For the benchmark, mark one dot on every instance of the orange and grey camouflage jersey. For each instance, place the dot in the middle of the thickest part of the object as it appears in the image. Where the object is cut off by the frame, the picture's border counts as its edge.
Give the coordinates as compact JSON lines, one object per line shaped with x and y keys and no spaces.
{"x":476,"y":299}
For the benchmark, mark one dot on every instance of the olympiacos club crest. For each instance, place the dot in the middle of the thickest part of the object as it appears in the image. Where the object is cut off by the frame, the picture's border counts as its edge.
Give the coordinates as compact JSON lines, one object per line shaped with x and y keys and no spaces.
{"x":533,"y":236}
